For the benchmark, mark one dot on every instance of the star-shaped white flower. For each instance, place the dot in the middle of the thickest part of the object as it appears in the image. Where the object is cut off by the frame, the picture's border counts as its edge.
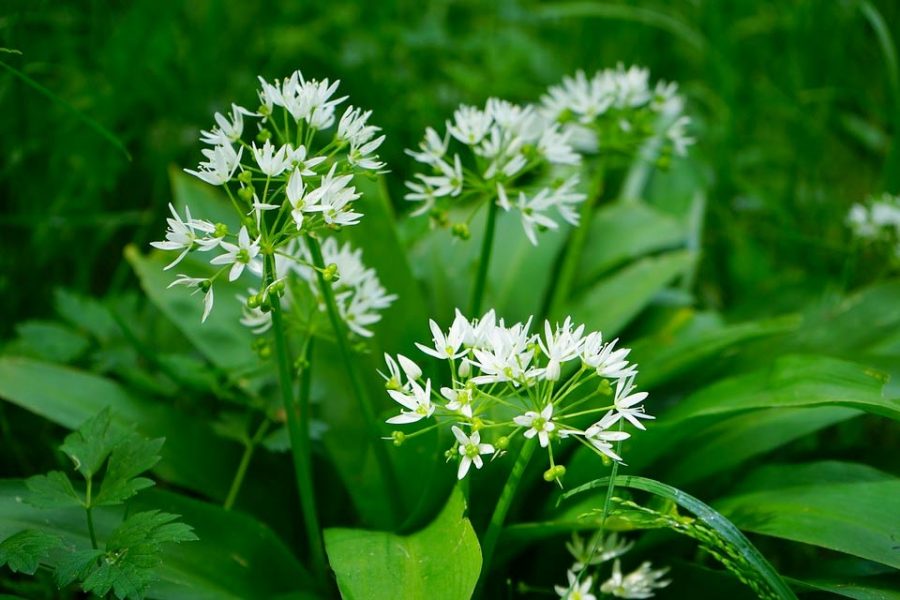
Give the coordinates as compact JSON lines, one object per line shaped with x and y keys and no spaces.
{"x":601,"y":438}
{"x":627,"y":404}
{"x":417,"y":401}
{"x":446,"y":346}
{"x":470,"y":449}
{"x":575,"y":590}
{"x":538,"y":424}
{"x":458,"y":400}
{"x":244,"y":254}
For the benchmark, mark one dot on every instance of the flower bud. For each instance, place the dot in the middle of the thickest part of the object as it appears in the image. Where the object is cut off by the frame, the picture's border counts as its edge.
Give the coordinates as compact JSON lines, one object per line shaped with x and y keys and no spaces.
{"x":204,"y":285}
{"x":604,"y":388}
{"x":221,"y":230}
{"x":550,"y":474}
{"x":502,"y":443}
{"x":246,"y":194}
{"x":330,"y":273}
{"x":399,"y":437}
{"x":245,"y":177}
{"x":263,"y":135}
{"x":253,"y":301}
{"x":460,"y":230}
{"x":477,"y":424}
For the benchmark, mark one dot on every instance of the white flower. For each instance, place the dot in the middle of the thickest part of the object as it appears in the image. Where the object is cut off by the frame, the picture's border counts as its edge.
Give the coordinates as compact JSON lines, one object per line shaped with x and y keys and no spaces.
{"x":446,"y":346}
{"x":272,"y":162}
{"x":459,"y":400}
{"x":632,"y":88}
{"x":182,"y":235}
{"x":601,"y":438}
{"x":393,"y":380}
{"x":309,"y":100}
{"x":420,"y":192}
{"x":596,"y":549}
{"x":417,"y":401}
{"x":470,"y":449}
{"x":555,"y":147}
{"x":221,"y":163}
{"x":432,"y":148}
{"x":560,"y":346}
{"x":244,"y":254}
{"x":198,"y":283}
{"x":295,"y":194}
{"x":583,"y":98}
{"x":333,"y":197}
{"x":677,"y":135}
{"x":257,"y":207}
{"x":470,"y":124}
{"x":638,"y":584}
{"x":532,"y":210}
{"x":505,"y":356}
{"x":354,"y":129}
{"x":226,"y":131}
{"x":607,"y":361}
{"x":305,"y":165}
{"x":449,"y":182}
{"x":565,"y":199}
{"x":576,"y":590}
{"x":626,"y":402}
{"x":538,"y":424}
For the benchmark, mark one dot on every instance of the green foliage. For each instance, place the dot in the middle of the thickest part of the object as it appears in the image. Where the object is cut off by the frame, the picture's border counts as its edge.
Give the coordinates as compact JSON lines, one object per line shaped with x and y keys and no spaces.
{"x":443,"y":560}
{"x":24,"y":551}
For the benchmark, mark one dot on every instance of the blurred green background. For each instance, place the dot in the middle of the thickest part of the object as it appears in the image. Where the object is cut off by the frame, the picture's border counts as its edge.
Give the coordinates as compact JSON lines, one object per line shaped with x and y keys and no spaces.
{"x":795,"y":105}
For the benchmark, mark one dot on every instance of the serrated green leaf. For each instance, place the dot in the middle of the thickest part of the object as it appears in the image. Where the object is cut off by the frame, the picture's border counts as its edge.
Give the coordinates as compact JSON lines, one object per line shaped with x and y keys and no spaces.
{"x":24,"y":551}
{"x":90,"y":445}
{"x":149,"y":527}
{"x":76,"y":566}
{"x":131,"y":457}
{"x":53,"y":490}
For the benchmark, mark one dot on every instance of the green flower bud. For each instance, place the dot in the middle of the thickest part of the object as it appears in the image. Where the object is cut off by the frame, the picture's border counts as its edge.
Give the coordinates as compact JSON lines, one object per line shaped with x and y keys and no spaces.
{"x":330,"y":273}
{"x":205,"y":285}
{"x":253,"y":301}
{"x":246,"y":194}
{"x":604,"y":388}
{"x":550,"y":474}
{"x":245,"y":177}
{"x":263,"y":135}
{"x":399,"y":437}
{"x":221,"y":230}
{"x":461,"y":230}
{"x":278,"y":287}
{"x":477,"y":424}
{"x":502,"y":443}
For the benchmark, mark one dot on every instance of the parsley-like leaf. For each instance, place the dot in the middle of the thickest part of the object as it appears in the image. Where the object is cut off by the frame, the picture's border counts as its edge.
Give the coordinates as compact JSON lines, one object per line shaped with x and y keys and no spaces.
{"x":91,"y":444}
{"x":24,"y":551}
{"x":53,"y":490}
{"x":132,"y":456}
{"x":76,"y":566}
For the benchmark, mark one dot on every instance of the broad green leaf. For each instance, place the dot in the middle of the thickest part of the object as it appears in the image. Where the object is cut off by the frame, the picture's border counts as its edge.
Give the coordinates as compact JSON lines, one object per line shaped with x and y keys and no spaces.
{"x":87,"y":314}
{"x":23,"y":552}
{"x":193,"y":456}
{"x":840,"y":506}
{"x":610,"y":304}
{"x":868,"y":588}
{"x":792,"y":381}
{"x":53,"y":490}
{"x":622,"y":232}
{"x":737,"y":439}
{"x":740,"y":547}
{"x":221,"y":338}
{"x":235,"y":557}
{"x":442,"y":561}
{"x":50,"y":341}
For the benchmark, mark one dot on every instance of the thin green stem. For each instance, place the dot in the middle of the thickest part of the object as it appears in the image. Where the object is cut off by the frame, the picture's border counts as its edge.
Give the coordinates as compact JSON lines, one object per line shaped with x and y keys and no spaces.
{"x":489,"y":543}
{"x":301,"y":447}
{"x":565,"y":278}
{"x":90,"y":516}
{"x":249,"y":449}
{"x":484,"y":259}
{"x":389,"y":476}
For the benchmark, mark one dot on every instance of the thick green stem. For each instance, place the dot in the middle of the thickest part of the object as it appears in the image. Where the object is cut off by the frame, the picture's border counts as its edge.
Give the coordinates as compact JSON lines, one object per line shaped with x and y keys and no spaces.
{"x":249,"y":448}
{"x":489,"y":543}
{"x":484,"y":259}
{"x":565,"y":278}
{"x":298,"y":430}
{"x":389,"y":476}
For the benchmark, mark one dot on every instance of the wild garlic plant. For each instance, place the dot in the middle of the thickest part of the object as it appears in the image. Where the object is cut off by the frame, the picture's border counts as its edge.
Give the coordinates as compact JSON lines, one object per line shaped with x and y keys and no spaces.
{"x":291,"y":187}
{"x":507,"y":381}
{"x":590,"y":554}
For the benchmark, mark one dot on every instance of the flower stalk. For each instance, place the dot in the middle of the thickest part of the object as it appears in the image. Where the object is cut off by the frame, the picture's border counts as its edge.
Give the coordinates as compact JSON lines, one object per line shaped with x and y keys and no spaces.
{"x":249,"y":449}
{"x":389,"y":476}
{"x":484,"y":260}
{"x":298,"y":429}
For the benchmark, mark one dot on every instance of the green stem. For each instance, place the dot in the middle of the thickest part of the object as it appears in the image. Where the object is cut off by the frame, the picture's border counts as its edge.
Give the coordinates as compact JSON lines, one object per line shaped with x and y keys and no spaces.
{"x":562,"y":286}
{"x":489,"y":543}
{"x":484,"y":261}
{"x":249,"y":449}
{"x":389,"y":476}
{"x":90,"y":516}
{"x":301,"y":447}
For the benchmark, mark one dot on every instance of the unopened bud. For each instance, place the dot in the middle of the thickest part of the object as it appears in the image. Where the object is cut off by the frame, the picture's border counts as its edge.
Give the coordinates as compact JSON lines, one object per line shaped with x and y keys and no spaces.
{"x":477,"y":424}
{"x":330,"y":272}
{"x":460,"y":230}
{"x":246,"y":194}
{"x":245,"y":177}
{"x":204,"y":285}
{"x":263,"y":135}
{"x":399,"y":437}
{"x":502,"y":443}
{"x":221,"y":230}
{"x":253,"y":301}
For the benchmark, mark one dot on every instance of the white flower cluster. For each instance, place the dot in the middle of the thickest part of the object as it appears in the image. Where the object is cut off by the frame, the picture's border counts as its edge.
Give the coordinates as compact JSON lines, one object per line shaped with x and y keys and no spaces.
{"x":617,"y":110}
{"x":877,"y":220}
{"x":556,"y":384}
{"x":284,"y":192}
{"x":640,"y":583}
{"x":357,"y":290}
{"x":505,"y":148}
